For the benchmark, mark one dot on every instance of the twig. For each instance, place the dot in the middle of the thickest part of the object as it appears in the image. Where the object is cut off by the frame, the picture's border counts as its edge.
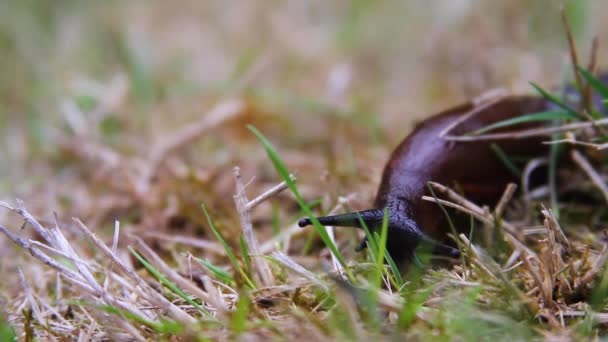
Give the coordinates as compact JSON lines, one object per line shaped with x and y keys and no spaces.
{"x":240,"y":199}
{"x":267,"y":194}
{"x":595,"y":177}
{"x":505,"y":198}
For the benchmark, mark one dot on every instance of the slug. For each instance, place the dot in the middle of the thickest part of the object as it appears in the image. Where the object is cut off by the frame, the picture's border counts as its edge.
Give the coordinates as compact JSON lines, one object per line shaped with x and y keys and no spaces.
{"x":423,"y":156}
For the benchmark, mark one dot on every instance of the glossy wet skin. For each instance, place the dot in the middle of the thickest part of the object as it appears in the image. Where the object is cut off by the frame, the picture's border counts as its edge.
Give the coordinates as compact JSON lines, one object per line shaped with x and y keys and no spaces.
{"x":472,"y":166}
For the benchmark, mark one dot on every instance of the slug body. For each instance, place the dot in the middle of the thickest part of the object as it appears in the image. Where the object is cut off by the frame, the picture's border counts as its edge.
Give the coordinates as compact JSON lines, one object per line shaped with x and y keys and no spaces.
{"x":472,"y":167}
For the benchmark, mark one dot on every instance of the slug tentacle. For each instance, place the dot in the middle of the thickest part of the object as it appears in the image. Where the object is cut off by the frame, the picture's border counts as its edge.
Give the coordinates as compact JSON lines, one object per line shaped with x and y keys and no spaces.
{"x":371,"y":218}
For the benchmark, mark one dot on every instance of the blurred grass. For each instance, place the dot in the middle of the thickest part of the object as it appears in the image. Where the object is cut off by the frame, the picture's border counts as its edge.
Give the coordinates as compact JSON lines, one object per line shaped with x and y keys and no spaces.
{"x":404,"y":60}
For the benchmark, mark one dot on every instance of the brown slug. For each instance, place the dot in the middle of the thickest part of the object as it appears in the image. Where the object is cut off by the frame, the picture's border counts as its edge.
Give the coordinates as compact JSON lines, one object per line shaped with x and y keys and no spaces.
{"x":424,"y":156}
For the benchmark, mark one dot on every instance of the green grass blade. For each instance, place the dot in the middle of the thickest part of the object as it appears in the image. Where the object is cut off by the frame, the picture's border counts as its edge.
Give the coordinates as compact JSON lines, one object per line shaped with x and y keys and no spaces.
{"x":596,"y":84}
{"x":450,"y":222}
{"x":504,"y":158}
{"x":556,"y":101}
{"x":245,"y":254}
{"x":535,"y":117}
{"x":244,"y":62}
{"x":164,"y":280}
{"x":217,"y":272}
{"x":382,"y":248}
{"x":229,"y":252}
{"x":373,"y":250}
{"x":284,"y":174}
{"x":7,"y":333}
{"x":395,"y":270}
{"x":372,"y":244}
{"x":239,"y":317}
{"x":166,"y":327}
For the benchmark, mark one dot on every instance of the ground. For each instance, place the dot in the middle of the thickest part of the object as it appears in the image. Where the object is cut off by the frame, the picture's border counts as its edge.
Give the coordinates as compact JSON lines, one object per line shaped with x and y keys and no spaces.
{"x":122,"y":124}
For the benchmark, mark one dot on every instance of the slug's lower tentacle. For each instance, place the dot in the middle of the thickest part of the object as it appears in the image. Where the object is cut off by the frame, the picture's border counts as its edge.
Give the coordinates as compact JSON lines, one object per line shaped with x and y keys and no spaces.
{"x":371,"y":217}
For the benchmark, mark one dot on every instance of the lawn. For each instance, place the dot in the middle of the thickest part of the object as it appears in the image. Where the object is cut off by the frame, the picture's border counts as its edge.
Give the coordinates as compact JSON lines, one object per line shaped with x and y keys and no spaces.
{"x":156,"y":157}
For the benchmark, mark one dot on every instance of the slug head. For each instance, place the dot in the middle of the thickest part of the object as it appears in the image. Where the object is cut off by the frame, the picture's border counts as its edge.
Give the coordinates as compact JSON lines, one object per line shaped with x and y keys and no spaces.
{"x":404,"y":234}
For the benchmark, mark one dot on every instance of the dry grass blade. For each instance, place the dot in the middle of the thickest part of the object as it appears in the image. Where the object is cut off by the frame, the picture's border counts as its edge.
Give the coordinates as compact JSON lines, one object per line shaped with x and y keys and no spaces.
{"x":30,"y":297}
{"x":84,"y":279}
{"x":572,"y":48}
{"x":204,"y":244}
{"x":588,"y":91}
{"x":36,"y":253}
{"x":552,"y":225}
{"x":595,"y":177}
{"x":340,"y":271}
{"x":285,"y":235}
{"x":143,"y":288}
{"x":65,"y":247}
{"x":479,"y":107}
{"x":261,"y":265}
{"x":105,"y":249}
{"x":472,"y":209}
{"x":40,"y":229}
{"x":527,"y":174}
{"x":173,"y":276}
{"x":476,"y":256}
{"x":288,"y":262}
{"x":527,"y":133}
{"x":570,"y":139}
{"x":597,"y":267}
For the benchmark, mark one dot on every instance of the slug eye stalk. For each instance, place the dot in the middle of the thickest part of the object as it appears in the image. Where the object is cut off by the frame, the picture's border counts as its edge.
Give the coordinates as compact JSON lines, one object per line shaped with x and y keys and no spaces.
{"x":403,"y":232}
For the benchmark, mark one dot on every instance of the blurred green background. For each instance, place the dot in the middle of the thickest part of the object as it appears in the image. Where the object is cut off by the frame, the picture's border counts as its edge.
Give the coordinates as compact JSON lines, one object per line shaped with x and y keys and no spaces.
{"x":374,"y":66}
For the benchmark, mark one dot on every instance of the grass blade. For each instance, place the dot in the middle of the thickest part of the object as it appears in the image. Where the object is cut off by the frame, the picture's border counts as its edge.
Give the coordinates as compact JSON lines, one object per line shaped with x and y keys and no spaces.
{"x":245,"y":254}
{"x":7,"y":333}
{"x":284,"y":174}
{"x":504,"y":158}
{"x":219,"y":273}
{"x":556,"y":101}
{"x":227,"y":248}
{"x":239,"y":318}
{"x":382,"y":248}
{"x":165,"y":327}
{"x":165,"y":281}
{"x":535,"y":117}
{"x":595,"y":83}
